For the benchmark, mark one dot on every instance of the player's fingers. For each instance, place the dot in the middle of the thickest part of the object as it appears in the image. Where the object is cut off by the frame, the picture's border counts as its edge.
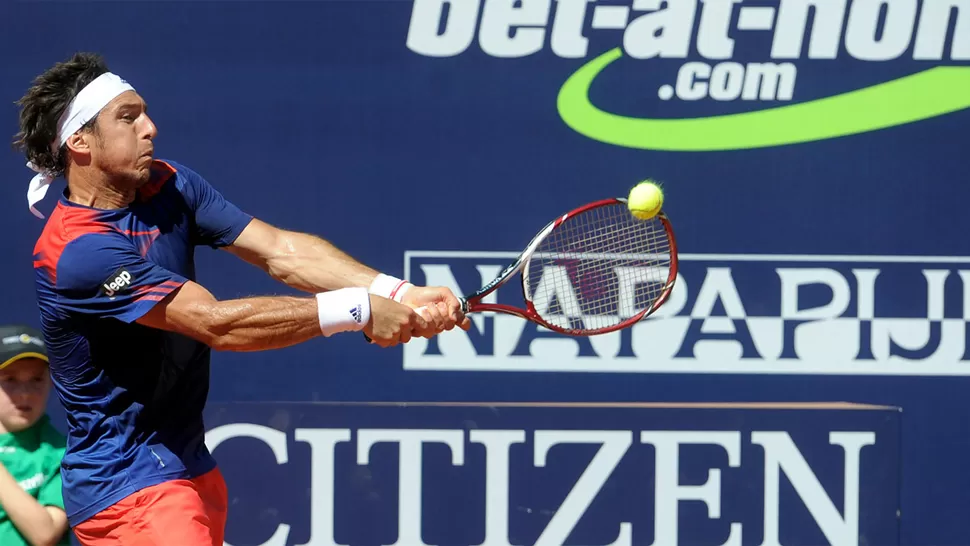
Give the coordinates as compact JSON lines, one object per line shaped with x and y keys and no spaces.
{"x":418,"y":321}
{"x":433,"y":315}
{"x":404,"y":330}
{"x":389,"y":337}
{"x":420,"y":326}
{"x":447,"y":320}
{"x":454,"y":307}
{"x":465,"y":323}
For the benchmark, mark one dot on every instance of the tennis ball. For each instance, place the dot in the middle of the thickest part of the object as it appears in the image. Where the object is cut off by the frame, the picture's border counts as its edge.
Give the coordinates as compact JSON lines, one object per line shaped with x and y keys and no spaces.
{"x":645,"y":200}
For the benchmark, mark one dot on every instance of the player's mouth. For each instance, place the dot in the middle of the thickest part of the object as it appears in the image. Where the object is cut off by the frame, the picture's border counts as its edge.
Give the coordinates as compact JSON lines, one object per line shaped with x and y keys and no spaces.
{"x":24,"y":409}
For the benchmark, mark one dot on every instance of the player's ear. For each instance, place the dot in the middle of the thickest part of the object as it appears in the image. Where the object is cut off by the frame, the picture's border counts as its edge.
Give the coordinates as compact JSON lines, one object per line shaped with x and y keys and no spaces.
{"x":81,"y":142}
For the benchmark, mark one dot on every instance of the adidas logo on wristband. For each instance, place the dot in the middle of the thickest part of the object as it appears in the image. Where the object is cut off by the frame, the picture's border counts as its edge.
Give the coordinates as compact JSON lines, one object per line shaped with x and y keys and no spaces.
{"x":343,"y":310}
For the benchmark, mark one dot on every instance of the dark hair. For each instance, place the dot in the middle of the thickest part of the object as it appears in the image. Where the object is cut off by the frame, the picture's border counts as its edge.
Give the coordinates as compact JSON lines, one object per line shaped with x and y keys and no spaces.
{"x":44,"y":103}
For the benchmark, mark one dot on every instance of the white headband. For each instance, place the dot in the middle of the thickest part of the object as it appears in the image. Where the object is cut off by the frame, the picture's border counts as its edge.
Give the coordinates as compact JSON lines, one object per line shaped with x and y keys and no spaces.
{"x":85,"y":107}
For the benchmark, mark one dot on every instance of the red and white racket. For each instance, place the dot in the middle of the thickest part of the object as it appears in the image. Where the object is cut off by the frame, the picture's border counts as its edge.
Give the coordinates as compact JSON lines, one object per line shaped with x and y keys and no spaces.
{"x":593,"y":270}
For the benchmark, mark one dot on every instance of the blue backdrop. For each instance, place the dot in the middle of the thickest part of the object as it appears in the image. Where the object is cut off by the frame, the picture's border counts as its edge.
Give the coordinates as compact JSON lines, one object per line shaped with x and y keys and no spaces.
{"x":431,"y":139}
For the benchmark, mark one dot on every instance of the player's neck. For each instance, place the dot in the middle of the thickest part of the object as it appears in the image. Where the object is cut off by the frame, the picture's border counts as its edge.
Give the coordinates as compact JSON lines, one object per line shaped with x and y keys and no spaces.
{"x":94,"y":189}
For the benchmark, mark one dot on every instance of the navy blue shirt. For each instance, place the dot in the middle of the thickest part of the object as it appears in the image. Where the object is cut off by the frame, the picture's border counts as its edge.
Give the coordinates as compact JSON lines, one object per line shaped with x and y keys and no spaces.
{"x":134,"y":395}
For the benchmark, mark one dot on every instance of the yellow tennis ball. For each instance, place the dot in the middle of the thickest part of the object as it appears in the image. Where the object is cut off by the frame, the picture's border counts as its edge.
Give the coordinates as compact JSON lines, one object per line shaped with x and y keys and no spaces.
{"x":645,"y":200}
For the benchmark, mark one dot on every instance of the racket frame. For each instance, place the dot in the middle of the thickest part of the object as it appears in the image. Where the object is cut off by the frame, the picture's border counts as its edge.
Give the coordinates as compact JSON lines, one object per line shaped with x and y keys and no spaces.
{"x":472,"y":303}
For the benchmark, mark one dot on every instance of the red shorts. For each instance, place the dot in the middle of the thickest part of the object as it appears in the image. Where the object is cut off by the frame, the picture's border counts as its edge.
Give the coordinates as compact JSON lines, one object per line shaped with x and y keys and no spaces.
{"x":182,"y":512}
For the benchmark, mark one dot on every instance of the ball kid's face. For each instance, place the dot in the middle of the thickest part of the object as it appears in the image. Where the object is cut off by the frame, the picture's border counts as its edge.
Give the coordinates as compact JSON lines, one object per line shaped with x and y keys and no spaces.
{"x":24,"y":387}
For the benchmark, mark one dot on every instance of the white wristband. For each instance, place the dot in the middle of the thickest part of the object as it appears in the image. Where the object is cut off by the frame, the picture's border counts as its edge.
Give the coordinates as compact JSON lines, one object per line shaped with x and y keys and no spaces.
{"x":344,"y":310}
{"x":389,"y":287}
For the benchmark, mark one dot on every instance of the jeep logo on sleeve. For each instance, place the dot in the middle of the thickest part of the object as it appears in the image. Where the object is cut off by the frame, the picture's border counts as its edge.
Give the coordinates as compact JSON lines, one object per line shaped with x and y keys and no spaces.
{"x":119,"y":280}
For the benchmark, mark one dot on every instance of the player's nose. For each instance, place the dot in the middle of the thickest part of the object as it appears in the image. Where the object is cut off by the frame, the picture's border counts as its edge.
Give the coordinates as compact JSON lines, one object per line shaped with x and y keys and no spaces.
{"x":150,"y":130}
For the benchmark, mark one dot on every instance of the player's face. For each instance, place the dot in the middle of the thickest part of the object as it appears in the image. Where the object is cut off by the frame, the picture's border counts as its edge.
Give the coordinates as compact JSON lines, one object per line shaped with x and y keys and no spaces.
{"x":123,"y":145}
{"x":24,"y":386}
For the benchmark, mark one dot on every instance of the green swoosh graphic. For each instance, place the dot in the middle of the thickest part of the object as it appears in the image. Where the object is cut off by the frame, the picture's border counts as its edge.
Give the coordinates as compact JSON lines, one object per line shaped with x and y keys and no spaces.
{"x":933,"y":92}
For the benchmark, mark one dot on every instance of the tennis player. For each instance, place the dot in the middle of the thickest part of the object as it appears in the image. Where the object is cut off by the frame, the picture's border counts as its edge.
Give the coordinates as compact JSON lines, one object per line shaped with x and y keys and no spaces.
{"x":128,"y":330}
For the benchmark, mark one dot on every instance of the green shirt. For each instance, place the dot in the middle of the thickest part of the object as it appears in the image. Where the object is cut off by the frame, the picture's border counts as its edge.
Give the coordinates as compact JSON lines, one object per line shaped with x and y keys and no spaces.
{"x":33,"y":458}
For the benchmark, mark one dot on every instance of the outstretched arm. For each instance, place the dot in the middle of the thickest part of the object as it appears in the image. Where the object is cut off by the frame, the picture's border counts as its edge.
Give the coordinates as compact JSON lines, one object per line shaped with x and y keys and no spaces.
{"x":309,"y":263}
{"x":303,"y":261}
{"x":264,"y":323}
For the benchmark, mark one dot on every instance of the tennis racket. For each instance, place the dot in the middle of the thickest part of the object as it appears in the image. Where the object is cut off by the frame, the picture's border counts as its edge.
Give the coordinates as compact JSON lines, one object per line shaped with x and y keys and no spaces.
{"x":593,"y":270}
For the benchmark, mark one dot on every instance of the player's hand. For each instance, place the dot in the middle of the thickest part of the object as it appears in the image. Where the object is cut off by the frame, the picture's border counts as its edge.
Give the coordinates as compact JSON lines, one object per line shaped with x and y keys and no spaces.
{"x":392,"y":323}
{"x":443,"y":307}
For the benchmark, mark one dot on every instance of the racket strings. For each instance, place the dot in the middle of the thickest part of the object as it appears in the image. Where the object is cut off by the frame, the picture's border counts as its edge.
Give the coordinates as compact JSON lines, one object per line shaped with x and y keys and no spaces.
{"x":599,"y":268}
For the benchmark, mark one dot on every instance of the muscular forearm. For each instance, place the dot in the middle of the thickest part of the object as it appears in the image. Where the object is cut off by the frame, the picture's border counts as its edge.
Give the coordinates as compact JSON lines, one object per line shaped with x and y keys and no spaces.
{"x":258,"y":324}
{"x":311,"y":264}
{"x":29,"y":517}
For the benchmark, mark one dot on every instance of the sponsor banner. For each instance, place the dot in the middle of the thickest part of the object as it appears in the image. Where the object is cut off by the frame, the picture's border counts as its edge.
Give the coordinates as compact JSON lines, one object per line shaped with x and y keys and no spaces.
{"x":726,"y":52}
{"x":548,"y":474}
{"x":871,"y":315}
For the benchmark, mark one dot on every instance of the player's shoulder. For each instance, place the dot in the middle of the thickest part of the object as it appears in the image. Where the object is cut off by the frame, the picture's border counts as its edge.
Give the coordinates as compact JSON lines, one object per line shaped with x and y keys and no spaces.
{"x":75,"y":233}
{"x":82,"y":258}
{"x":185,"y":179}
{"x":170,"y":169}
{"x":163,"y":173}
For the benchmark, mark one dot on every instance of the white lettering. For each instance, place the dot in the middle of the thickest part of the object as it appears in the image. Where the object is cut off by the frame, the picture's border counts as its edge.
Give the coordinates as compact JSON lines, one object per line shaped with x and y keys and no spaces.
{"x":410,"y":444}
{"x":275,"y":439}
{"x":323,"y":442}
{"x":935,"y":284}
{"x":669,"y":492}
{"x":614,"y":446}
{"x":727,"y":80}
{"x":965,"y":277}
{"x":510,"y":31}
{"x":555,"y":285}
{"x":781,"y":455}
{"x":935,"y":295}
{"x":690,"y":84}
{"x":875,"y":30}
{"x":661,"y":33}
{"x":718,"y":286}
{"x":931,"y":35}
{"x":769,"y":81}
{"x":713,"y":41}
{"x":567,"y":39}
{"x":860,"y":37}
{"x":785,"y":317}
{"x":793,"y":279}
{"x":497,"y":444}
{"x":459,"y":32}
{"x":629,"y":279}
{"x":793,"y":20}
{"x":866,"y":292}
{"x":730,"y":81}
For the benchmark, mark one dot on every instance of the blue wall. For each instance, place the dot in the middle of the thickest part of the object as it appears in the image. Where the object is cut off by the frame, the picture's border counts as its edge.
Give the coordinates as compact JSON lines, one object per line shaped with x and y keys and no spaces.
{"x":317,"y":116}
